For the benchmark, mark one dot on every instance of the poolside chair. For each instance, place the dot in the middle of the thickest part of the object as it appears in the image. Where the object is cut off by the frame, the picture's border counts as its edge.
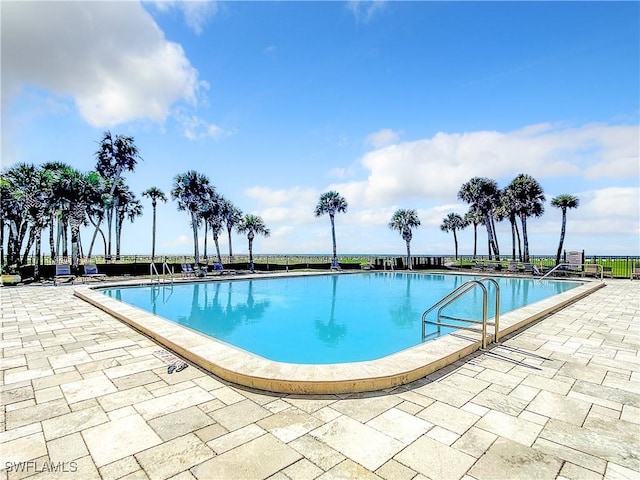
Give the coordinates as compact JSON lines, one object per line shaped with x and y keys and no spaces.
{"x":91,"y":272}
{"x":635,"y":273}
{"x":591,"y":270}
{"x":187,"y":270}
{"x":63,"y":274}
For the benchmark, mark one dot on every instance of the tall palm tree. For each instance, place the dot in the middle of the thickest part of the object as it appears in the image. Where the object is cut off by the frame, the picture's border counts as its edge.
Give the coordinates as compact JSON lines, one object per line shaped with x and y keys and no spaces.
{"x":484,"y":196}
{"x":507,"y":209}
{"x":331,"y":202}
{"x":564,"y":202}
{"x":252,"y":225}
{"x":114,"y":156}
{"x":214,"y":218}
{"x":129,"y":209}
{"x":452,"y":223}
{"x":192,"y":190}
{"x":232,"y":216}
{"x":529,"y":202}
{"x":155,"y":194}
{"x":474,"y":217}
{"x":404,"y":221}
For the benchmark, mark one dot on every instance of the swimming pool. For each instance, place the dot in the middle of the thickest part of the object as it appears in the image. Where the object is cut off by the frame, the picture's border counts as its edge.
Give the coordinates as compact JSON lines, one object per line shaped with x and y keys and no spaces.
{"x":324,"y":319}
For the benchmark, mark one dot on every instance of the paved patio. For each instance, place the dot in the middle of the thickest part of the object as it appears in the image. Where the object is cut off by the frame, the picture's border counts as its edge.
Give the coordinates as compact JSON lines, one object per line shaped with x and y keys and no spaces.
{"x":85,"y":396}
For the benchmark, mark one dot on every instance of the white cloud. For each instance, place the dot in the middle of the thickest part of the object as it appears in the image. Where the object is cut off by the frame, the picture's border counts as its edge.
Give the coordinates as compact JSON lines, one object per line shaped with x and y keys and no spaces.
{"x":195,"y":127}
{"x":110,"y":58}
{"x":196,"y":12}
{"x":364,"y":10}
{"x":382,"y":138}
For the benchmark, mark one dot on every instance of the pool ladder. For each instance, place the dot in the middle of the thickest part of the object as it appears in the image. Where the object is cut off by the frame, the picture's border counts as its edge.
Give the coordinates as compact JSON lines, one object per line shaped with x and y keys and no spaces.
{"x":166,"y":270}
{"x":455,"y":295}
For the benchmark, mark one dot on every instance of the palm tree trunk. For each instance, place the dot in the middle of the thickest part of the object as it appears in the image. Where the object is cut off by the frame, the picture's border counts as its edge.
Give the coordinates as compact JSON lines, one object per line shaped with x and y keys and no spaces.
{"x":75,"y":230}
{"x":455,"y":242}
{"x":205,"y":242}
{"x":519,"y":242}
{"x":409,"y":265}
{"x":119,"y":222}
{"x":513,"y":240}
{"x":52,"y":245}
{"x":333,"y":237}
{"x":194,"y":227}
{"x":38,"y":252}
{"x":523,"y":221}
{"x":215,"y":240}
{"x":153,"y":236}
{"x":230,"y":249}
{"x":251,"y":253}
{"x":562,"y":233}
{"x":475,"y":240}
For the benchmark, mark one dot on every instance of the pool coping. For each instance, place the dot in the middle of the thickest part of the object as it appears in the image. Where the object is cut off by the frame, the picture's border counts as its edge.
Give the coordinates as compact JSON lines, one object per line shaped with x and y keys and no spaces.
{"x":244,"y":368}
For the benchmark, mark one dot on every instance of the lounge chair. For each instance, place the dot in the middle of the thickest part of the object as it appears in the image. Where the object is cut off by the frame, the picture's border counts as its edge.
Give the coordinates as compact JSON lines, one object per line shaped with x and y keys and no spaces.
{"x":335,"y":265}
{"x":635,"y":273}
{"x":91,"y":272}
{"x":532,"y":269}
{"x":63,"y":274}
{"x":591,"y":270}
{"x":187,"y":270}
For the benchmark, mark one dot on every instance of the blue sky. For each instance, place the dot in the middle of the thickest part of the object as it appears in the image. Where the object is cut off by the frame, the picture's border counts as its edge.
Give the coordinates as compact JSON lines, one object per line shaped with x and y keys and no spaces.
{"x":392,"y":104}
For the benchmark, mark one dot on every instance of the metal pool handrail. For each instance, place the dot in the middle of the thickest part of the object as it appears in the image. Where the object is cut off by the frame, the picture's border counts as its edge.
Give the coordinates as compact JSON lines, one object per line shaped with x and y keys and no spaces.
{"x":599,"y":269}
{"x":455,"y":295}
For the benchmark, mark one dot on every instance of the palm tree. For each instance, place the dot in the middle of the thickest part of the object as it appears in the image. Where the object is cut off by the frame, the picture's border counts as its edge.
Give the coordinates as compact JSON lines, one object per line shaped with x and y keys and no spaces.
{"x":484,"y":196}
{"x":130,"y":208}
{"x":403,"y":221}
{"x":114,"y":156}
{"x":452,"y":223}
{"x":507,"y":209}
{"x":564,"y":202}
{"x":214,"y":217}
{"x":232,"y":216}
{"x":529,"y":200}
{"x":192,"y":190}
{"x":252,"y":225}
{"x":155,"y":194}
{"x":331,"y":202}
{"x":474,"y":217}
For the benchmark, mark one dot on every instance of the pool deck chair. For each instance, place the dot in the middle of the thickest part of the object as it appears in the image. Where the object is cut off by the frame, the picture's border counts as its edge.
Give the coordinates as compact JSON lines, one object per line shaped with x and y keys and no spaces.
{"x":91,"y":273}
{"x":63,"y":274}
{"x":187,"y":270}
{"x":636,"y":271}
{"x":218,"y":269}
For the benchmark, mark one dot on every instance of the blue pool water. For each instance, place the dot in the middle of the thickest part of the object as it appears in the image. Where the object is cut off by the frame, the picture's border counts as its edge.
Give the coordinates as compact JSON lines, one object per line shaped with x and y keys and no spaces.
{"x":324,"y":319}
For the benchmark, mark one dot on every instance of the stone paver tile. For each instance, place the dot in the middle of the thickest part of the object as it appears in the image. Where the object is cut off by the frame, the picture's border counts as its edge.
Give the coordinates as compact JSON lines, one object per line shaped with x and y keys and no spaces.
{"x":497,"y":401}
{"x":569,"y":471}
{"x":499,"y":378}
{"x":289,"y":424}
{"x":326,"y":414}
{"x":119,"y":468}
{"x":16,"y":394}
{"x":548,"y":384}
{"x":610,"y":394}
{"x":359,"y":442}
{"x":180,"y":422}
{"x":393,"y":470}
{"x":212,"y":431}
{"x":618,"y":472}
{"x":524,"y":392}
{"x":348,"y":470}
{"x":81,"y":468}
{"x":559,"y":407}
{"x":238,"y":415}
{"x":37,"y":413}
{"x":174,"y":456}
{"x":316,"y":451}
{"x":170,"y":403}
{"x":73,"y":422}
{"x":48,"y":394}
{"x":448,"y":417}
{"x":464,"y":382}
{"x":257,"y":459}
{"x":475,"y":442}
{"x":516,"y":429}
{"x":611,"y":440}
{"x":310,"y":403}
{"x":135,"y":380}
{"x":225,"y":442}
{"x":65,"y":449}
{"x":18,"y":405}
{"x":534,"y":418}
{"x":303,"y":470}
{"x":475,"y":409}
{"x":630,"y":414}
{"x":511,"y":460}
{"x":435,"y":460}
{"x":57,"y":379}
{"x":400,"y":425}
{"x":23,"y":449}
{"x":417,"y":398}
{"x":442,"y":435}
{"x":69,"y":359}
{"x":445,"y":394}
{"x":124,"y":398}
{"x":135,"y":367}
{"x":366,"y":408}
{"x":119,"y":438}
{"x":24,"y":431}
{"x":88,"y":388}
{"x":581,"y":459}
{"x":227,"y":395}
{"x":588,"y":373}
{"x":20,"y":374}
